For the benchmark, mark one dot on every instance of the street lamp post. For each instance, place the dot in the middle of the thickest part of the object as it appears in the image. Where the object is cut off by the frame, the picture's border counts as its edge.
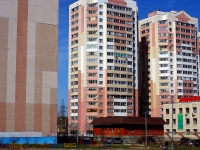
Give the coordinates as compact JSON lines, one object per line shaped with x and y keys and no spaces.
{"x":146,"y":126}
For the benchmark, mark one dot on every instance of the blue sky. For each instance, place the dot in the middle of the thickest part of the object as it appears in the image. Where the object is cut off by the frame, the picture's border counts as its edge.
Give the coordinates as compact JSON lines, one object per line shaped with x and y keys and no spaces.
{"x":144,"y":7}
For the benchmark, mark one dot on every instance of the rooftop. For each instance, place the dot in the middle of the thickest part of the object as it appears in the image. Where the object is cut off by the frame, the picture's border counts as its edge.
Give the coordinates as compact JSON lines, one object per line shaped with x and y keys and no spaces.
{"x":127,"y":120}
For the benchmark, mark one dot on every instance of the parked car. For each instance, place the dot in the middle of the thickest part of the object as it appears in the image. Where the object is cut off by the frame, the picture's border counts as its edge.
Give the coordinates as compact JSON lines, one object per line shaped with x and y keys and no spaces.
{"x":103,"y":140}
{"x":114,"y":141}
{"x":186,"y":142}
{"x":196,"y":143}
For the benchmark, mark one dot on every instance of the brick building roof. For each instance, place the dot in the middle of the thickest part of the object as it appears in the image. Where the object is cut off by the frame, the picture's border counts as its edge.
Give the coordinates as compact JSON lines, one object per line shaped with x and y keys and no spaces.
{"x":127,"y":120}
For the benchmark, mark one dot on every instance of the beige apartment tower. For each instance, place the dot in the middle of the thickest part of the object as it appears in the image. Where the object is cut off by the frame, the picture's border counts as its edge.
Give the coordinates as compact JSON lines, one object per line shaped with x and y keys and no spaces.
{"x":169,"y":59}
{"x":28,"y":66}
{"x":103,"y":69}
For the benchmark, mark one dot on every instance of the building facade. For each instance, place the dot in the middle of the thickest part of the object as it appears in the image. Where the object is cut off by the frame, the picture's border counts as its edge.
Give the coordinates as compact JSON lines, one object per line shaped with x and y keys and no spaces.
{"x":102,"y":61}
{"x":28,"y":66}
{"x":130,"y":129}
{"x":169,"y":58}
{"x":185,"y":118}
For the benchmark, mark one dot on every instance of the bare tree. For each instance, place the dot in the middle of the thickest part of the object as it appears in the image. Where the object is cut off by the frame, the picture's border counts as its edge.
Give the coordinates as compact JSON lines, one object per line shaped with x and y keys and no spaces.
{"x":36,"y":140}
{"x":54,"y":140}
{"x":27,"y":140}
{"x":14,"y":139}
{"x":62,"y":118}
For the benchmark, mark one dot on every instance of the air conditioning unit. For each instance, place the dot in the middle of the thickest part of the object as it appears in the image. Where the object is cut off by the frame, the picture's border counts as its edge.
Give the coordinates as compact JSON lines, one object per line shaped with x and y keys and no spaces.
{"x":193,"y":114}
{"x":186,"y":114}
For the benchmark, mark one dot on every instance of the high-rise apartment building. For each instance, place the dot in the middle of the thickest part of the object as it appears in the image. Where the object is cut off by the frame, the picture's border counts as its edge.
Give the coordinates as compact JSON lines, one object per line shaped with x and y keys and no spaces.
{"x":28,"y":67}
{"x":169,"y":58}
{"x":102,"y":61}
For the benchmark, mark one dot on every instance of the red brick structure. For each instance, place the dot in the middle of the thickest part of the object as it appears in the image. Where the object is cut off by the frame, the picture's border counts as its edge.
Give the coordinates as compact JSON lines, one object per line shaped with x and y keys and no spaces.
{"x":128,"y":128}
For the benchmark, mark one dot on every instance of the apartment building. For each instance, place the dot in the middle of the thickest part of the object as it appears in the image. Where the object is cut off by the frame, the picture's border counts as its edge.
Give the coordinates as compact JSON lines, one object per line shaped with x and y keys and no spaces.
{"x":185,"y":118}
{"x":28,"y":67}
{"x":102,"y":62}
{"x":169,"y":59}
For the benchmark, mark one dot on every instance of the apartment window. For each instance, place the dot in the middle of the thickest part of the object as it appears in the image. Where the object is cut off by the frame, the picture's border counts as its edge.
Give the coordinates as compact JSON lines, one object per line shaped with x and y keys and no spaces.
{"x":167,"y":111}
{"x":101,"y":54}
{"x":187,"y":121}
{"x":187,"y":110}
{"x":100,"y":82}
{"x":100,"y":111}
{"x":100,"y":20}
{"x":118,"y":129}
{"x":100,"y":41}
{"x":101,"y":26}
{"x":174,"y":131}
{"x":188,"y":131}
{"x":101,"y":68}
{"x":194,"y":110}
{"x":195,"y":130}
{"x":103,"y":129}
{"x":111,"y":129}
{"x":100,"y":75}
{"x":100,"y":104}
{"x":100,"y":89}
{"x":100,"y":96}
{"x":100,"y":6}
{"x":174,"y":121}
{"x":100,"y":13}
{"x":100,"y":33}
{"x":180,"y":110}
{"x":167,"y":120}
{"x":194,"y":120}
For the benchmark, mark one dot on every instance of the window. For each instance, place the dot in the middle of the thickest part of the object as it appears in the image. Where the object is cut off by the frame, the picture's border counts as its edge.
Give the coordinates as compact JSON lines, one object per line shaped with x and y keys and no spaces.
{"x":91,"y":81}
{"x":100,"y":111}
{"x":100,"y":82}
{"x":167,"y":120}
{"x":174,"y":121}
{"x":194,"y":110}
{"x":187,"y":110}
{"x":188,"y":131}
{"x":194,"y":120}
{"x":180,"y":111}
{"x":187,"y":121}
{"x":111,"y":129}
{"x":167,"y":111}
{"x":100,"y":75}
{"x":100,"y":6}
{"x":195,"y":130}
{"x":100,"y":96}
